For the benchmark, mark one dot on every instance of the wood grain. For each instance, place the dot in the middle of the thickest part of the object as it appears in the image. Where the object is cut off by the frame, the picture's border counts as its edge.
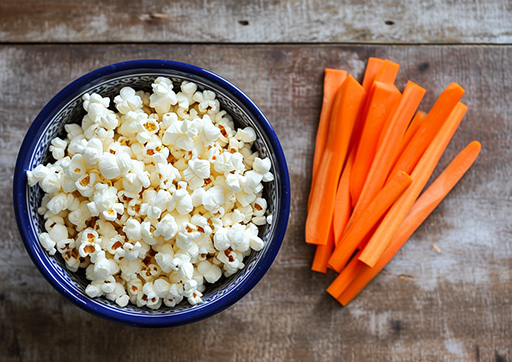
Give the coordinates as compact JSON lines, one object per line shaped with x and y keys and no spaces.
{"x":220,"y":21}
{"x":425,"y":305}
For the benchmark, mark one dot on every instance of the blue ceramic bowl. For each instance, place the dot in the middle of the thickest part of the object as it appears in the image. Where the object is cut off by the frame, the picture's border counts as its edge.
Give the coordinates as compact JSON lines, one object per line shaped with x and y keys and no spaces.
{"x":66,"y":107}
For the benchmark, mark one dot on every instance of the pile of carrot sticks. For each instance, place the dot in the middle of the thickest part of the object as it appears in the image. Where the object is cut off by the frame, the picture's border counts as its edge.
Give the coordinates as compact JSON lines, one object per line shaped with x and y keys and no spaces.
{"x":374,"y":154}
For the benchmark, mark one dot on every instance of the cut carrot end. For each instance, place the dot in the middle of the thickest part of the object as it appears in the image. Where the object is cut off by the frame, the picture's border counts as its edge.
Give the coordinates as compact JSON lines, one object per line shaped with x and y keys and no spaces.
{"x":322,"y":254}
{"x":372,"y":68}
{"x":388,"y":71}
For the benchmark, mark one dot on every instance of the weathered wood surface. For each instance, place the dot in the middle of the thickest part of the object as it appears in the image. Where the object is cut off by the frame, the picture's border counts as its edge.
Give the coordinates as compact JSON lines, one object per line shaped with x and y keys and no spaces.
{"x":347,"y":21}
{"x":453,"y":305}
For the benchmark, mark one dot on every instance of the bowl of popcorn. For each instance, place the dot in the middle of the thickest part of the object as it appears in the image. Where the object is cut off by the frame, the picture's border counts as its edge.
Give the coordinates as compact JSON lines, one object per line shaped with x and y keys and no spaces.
{"x":152,"y":193}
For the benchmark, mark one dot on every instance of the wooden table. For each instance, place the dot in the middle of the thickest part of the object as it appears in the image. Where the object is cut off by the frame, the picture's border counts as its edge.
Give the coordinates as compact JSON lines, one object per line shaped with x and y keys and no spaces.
{"x":426,"y":305}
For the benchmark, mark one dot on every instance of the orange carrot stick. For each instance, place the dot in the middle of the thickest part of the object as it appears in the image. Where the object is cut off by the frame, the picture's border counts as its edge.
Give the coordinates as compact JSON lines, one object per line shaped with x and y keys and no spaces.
{"x":360,"y":273}
{"x":420,"y":176}
{"x":346,"y":109}
{"x":345,"y":278}
{"x":429,"y":128}
{"x":372,"y":68}
{"x":387,"y":72}
{"x":322,"y":255}
{"x":332,"y":82}
{"x":367,"y":219}
{"x":388,"y":144}
{"x":383,"y":99}
{"x":342,"y":204}
{"x":416,"y":123}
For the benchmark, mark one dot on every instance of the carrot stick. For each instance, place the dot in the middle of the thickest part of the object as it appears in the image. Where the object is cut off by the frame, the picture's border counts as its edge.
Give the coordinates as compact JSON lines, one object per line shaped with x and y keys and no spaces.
{"x":332,"y":82}
{"x":367,"y":219}
{"x":345,"y":278}
{"x":372,"y":68}
{"x":429,"y":128}
{"x":347,"y":106}
{"x":382,"y":100}
{"x":415,"y":124}
{"x":342,"y":204}
{"x":387,"y":72}
{"x":360,"y":273}
{"x":388,"y":144}
{"x":420,"y":176}
{"x":322,"y":254}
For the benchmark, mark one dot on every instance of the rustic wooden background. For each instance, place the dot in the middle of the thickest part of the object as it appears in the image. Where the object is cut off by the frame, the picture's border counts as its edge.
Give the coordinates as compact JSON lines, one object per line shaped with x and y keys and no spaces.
{"x":455,"y":305}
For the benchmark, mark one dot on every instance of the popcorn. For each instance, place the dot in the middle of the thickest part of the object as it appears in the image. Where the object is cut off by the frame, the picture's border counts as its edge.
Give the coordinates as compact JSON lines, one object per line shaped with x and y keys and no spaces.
{"x":95,"y":105}
{"x":151,"y":298}
{"x":233,"y":182}
{"x":150,"y":272}
{"x":59,"y":202}
{"x":123,"y":300}
{"x":51,"y":183}
{"x":71,"y":258}
{"x":175,"y":295}
{"x":47,"y":243}
{"x":93,"y":290}
{"x":246,"y":135}
{"x":127,"y":100}
{"x":129,"y":270}
{"x":221,"y":239}
{"x":186,"y":96}
{"x":210,"y":272}
{"x":164,"y":259}
{"x":213,"y":199}
{"x":108,"y":166}
{"x":163,"y":96}
{"x":133,"y":230}
{"x":259,"y":220}
{"x":59,"y":233}
{"x":37,"y":175}
{"x":180,"y":134}
{"x":197,"y":171}
{"x":112,"y":213}
{"x":255,"y":241}
{"x":79,"y":216}
{"x":181,"y":200}
{"x":102,"y":269}
{"x":103,"y":199}
{"x":85,"y":184}
{"x":73,"y":130}
{"x":166,"y":227}
{"x":58,"y":148}
{"x":134,"y":286}
{"x":207,"y":101}
{"x":186,"y":270}
{"x":124,"y":162}
{"x":157,"y":200}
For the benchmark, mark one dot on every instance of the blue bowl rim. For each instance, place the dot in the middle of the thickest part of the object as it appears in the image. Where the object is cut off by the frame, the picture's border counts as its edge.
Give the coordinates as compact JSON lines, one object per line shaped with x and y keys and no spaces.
{"x":20,"y":188}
